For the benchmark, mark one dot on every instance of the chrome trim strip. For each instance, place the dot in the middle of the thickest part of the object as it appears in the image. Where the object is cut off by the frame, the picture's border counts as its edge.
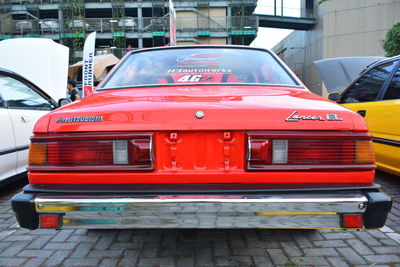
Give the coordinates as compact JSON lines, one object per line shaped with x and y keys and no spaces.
{"x":72,"y":201}
{"x":190,"y":211}
{"x":151,"y":152}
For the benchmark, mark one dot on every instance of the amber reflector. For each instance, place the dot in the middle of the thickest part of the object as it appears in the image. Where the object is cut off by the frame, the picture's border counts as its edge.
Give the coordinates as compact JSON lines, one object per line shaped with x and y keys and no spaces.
{"x":365,"y":152}
{"x":38,"y":154}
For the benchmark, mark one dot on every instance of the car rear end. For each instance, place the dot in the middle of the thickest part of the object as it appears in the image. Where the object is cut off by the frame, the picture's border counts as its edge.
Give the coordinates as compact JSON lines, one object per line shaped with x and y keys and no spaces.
{"x":209,"y":156}
{"x":211,"y":179}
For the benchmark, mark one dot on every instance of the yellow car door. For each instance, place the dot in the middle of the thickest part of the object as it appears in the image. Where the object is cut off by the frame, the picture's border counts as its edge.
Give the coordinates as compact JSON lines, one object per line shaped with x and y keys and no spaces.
{"x":376,"y":97}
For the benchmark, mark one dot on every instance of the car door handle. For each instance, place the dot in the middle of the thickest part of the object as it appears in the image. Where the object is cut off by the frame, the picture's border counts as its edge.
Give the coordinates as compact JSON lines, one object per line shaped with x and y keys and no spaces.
{"x":24,"y":119}
{"x":362,"y":112}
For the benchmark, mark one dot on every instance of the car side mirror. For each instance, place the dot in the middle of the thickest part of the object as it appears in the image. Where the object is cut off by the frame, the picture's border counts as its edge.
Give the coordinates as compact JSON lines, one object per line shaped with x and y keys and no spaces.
{"x":63,"y":102}
{"x":335,"y":97}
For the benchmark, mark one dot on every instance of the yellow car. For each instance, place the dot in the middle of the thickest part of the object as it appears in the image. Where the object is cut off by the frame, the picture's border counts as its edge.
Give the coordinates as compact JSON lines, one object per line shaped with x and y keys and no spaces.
{"x":375,"y":95}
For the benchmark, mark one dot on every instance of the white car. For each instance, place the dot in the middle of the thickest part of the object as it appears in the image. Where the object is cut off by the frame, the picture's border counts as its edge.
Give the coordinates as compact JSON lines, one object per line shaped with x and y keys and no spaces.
{"x":21,"y":104}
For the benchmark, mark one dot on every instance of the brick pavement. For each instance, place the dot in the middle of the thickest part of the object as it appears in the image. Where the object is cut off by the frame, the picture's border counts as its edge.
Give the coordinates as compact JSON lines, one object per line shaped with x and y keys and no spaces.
{"x":200,"y":248}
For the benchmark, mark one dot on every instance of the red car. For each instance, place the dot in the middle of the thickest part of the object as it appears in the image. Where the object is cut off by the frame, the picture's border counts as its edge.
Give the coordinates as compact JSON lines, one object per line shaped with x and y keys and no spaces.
{"x":201,"y":137}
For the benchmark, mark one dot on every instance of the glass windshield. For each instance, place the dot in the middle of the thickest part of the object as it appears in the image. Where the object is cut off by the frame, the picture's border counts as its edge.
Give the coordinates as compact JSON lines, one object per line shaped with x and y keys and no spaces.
{"x":199,"y":65}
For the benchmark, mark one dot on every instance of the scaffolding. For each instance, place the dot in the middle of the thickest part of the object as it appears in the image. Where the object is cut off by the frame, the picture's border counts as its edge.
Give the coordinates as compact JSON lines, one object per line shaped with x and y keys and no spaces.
{"x":132,"y":24}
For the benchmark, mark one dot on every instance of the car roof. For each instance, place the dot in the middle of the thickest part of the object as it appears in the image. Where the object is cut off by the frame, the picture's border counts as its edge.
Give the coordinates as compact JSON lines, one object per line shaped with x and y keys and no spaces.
{"x":373,"y":65}
{"x":199,"y":46}
{"x":382,"y":61}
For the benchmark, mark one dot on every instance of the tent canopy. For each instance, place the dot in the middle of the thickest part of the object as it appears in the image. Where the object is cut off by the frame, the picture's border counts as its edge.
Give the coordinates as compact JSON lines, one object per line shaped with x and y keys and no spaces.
{"x":101,"y":63}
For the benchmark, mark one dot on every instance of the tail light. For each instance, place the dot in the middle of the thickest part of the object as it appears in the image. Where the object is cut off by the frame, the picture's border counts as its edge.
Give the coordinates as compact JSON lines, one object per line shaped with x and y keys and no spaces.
{"x":364,"y":152}
{"x":298,"y":150}
{"x":91,"y":151}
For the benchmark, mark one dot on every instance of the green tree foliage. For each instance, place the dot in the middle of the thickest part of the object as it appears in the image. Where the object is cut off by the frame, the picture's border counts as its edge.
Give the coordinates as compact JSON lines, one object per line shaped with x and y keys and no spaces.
{"x":391,"y":44}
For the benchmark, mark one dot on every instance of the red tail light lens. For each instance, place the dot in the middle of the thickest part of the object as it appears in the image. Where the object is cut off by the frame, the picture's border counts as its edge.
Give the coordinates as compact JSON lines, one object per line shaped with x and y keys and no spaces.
{"x":70,"y":153}
{"x":141,"y":151}
{"x":49,"y":221}
{"x":259,"y":152}
{"x":352,"y":221}
{"x":116,"y":151}
{"x":299,"y":150}
{"x":321,"y":152}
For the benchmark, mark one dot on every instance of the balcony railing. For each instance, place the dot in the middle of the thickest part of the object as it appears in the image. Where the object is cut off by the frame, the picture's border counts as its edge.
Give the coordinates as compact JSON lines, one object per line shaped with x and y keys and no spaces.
{"x":118,"y":52}
{"x":126,"y":24}
{"x":24,"y":2}
{"x":40,"y":2}
{"x":45,"y":26}
{"x":28,"y":2}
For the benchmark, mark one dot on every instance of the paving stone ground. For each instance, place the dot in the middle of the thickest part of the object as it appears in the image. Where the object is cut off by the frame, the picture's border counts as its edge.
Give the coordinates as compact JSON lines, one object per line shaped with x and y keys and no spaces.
{"x":200,"y":248}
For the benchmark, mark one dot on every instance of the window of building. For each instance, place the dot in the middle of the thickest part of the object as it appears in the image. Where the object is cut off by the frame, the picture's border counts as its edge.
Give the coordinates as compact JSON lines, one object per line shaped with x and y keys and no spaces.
{"x":48,"y":13}
{"x":133,"y":42}
{"x":131,"y":12}
{"x":147,"y":12}
{"x":98,"y":13}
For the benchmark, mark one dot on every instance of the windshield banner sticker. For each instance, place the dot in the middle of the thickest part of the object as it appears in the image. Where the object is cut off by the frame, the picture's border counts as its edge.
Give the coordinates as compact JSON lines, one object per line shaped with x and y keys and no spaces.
{"x":199,"y":71}
{"x":198,"y":57}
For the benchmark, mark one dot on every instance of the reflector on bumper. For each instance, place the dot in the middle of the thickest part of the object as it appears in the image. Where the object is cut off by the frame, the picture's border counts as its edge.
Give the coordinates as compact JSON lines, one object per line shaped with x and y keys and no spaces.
{"x":50,"y":221}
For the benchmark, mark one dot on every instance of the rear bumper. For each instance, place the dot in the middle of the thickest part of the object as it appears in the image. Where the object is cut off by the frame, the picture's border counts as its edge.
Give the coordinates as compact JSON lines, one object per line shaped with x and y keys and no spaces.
{"x":272,"y":210}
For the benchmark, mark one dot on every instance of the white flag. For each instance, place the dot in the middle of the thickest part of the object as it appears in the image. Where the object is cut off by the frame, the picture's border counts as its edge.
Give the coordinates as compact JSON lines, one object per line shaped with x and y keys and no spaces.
{"x":88,"y":66}
{"x":172,"y":24}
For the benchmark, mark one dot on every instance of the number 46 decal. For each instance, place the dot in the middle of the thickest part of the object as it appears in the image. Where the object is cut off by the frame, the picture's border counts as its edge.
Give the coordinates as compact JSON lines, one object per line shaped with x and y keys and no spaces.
{"x":190,"y":78}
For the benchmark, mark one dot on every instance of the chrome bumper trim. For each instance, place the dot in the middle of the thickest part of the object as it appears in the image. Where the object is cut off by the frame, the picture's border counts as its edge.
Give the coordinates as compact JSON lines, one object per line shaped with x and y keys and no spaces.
{"x":235,"y":211}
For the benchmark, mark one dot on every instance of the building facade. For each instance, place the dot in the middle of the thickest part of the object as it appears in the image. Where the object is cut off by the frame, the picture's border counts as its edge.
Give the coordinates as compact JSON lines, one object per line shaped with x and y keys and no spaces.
{"x":343,"y":29}
{"x":130,"y":24}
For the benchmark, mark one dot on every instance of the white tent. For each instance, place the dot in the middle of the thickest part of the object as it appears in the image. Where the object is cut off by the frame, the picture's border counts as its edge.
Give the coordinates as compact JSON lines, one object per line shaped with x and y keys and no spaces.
{"x":42,"y":61}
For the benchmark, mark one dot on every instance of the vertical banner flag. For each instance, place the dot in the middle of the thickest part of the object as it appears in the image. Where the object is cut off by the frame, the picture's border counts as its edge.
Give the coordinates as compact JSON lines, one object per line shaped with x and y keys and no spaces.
{"x":88,"y":64}
{"x":172,"y":27}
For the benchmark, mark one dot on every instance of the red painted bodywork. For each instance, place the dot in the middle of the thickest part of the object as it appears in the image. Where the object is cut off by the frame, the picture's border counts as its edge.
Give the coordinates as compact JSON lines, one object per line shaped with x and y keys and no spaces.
{"x":201,"y":176}
{"x":227,"y":108}
{"x":212,"y":149}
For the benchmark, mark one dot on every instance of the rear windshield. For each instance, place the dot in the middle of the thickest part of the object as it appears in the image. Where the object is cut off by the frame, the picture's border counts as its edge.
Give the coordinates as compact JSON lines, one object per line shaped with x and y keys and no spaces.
{"x":199,"y":65}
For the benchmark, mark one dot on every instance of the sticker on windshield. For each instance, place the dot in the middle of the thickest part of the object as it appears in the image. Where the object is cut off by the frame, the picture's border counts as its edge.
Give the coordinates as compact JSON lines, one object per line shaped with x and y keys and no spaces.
{"x":207,"y":65}
{"x":198,"y":57}
{"x":196,"y":78}
{"x":178,"y":70}
{"x":199,"y":78}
